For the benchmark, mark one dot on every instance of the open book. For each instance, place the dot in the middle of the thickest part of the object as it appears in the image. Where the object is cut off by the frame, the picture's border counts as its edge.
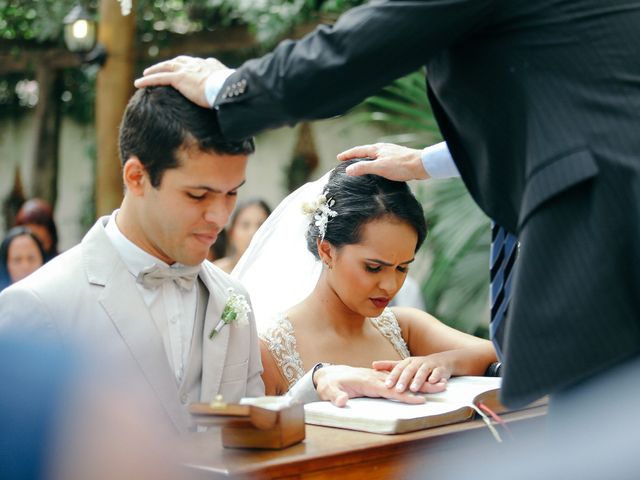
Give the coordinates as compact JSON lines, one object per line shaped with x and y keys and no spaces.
{"x":377,"y":415}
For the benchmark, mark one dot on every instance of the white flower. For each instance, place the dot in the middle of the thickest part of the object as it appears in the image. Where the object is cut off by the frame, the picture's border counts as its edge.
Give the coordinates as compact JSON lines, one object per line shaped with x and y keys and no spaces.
{"x":235,"y":311}
{"x":319,"y":212}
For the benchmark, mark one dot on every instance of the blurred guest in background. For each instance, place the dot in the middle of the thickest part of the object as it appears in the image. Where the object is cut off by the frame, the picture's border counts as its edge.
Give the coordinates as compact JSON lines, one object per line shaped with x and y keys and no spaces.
{"x":245,"y":221}
{"x":21,"y":253}
{"x":38,"y":216}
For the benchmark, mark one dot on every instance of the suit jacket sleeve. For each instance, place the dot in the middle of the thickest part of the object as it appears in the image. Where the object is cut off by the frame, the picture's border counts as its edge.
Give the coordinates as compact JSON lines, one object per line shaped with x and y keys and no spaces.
{"x":255,"y":385}
{"x":303,"y":391}
{"x":335,"y":68}
{"x":22,"y":309}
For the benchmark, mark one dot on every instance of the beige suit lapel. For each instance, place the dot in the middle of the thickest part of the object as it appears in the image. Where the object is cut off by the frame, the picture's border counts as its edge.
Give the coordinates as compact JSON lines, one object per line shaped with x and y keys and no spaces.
{"x":124,"y":306}
{"x":214,"y":351}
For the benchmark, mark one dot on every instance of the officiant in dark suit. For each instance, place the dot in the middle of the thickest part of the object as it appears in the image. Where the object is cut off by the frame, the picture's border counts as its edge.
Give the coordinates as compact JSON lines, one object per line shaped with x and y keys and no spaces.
{"x":539,"y":103}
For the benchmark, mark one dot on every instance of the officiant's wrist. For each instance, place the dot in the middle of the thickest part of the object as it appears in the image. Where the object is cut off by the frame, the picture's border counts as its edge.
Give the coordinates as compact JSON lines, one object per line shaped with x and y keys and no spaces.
{"x":317,"y":367}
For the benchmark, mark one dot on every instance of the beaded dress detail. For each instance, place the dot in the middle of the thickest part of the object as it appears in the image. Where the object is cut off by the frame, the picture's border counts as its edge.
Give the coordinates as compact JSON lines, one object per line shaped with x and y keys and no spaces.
{"x":281,"y":342}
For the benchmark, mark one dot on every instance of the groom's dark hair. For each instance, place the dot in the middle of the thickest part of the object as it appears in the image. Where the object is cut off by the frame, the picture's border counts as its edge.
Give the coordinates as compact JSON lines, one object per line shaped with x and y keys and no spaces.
{"x":363,"y":199}
{"x":158,"y":121}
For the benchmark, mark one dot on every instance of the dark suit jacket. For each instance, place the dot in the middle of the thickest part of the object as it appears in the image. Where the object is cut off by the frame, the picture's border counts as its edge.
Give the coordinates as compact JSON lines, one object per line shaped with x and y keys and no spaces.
{"x":539,"y":102}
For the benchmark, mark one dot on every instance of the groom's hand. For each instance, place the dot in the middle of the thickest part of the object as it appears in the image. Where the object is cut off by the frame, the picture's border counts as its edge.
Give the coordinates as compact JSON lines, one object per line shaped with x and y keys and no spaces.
{"x":339,"y":383}
{"x":186,"y":74}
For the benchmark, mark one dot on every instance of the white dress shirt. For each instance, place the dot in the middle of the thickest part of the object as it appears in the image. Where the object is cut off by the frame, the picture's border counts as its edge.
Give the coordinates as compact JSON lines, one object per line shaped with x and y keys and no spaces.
{"x":214,"y":84}
{"x":438,"y":162}
{"x":172,"y":308}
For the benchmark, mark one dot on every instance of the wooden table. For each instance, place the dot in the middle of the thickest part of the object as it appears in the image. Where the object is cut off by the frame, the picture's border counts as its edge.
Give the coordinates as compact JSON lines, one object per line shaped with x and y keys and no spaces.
{"x":345,"y":454}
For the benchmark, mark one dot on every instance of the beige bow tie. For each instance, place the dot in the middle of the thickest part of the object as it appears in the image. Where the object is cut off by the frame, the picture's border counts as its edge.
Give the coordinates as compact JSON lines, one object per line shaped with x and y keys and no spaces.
{"x":156,"y":275}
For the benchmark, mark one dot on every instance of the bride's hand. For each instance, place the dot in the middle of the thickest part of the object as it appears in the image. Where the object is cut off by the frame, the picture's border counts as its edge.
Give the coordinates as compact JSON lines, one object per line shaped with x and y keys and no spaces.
{"x":338,"y":383}
{"x":420,"y":374}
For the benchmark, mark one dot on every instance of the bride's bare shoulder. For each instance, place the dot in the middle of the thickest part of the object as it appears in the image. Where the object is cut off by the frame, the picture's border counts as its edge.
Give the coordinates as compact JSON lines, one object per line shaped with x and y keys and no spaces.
{"x":274,"y":382}
{"x":408,"y":317}
{"x":298,"y":313}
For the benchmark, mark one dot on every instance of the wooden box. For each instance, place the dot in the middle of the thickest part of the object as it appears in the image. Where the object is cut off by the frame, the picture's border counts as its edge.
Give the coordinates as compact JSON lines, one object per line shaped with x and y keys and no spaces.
{"x":268,"y":422}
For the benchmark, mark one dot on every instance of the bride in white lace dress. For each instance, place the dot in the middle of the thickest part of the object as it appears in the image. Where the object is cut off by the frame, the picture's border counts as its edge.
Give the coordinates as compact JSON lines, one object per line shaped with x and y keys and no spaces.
{"x":362,"y":234}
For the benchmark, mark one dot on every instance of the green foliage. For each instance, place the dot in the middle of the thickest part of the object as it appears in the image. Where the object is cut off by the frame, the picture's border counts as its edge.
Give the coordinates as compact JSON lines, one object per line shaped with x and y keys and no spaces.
{"x":458,"y":244}
{"x":268,"y":20}
{"x":456,"y":289}
{"x":10,"y":103}
{"x":79,"y":94}
{"x":32,"y":22}
{"x":77,"y":98}
{"x":37,"y":20}
{"x":403,"y":107}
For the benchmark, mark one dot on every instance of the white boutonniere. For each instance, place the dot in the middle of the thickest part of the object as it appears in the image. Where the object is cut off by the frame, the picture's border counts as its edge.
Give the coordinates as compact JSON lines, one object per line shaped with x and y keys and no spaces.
{"x":235,"y":311}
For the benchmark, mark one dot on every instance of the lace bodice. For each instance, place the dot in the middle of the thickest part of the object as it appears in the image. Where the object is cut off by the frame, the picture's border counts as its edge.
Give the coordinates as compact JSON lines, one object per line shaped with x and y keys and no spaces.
{"x":280,"y":339}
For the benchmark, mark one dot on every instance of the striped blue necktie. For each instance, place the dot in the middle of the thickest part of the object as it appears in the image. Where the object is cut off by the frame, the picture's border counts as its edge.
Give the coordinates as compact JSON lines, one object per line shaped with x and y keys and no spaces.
{"x":504,"y":249}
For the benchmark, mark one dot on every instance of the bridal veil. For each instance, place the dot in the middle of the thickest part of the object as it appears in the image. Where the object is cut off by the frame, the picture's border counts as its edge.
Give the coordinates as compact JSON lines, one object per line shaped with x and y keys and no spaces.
{"x":277,"y":269}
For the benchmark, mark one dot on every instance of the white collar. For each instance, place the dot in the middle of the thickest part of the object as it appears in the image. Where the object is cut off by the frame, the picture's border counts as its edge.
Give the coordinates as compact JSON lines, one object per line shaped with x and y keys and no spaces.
{"x":134,"y":257}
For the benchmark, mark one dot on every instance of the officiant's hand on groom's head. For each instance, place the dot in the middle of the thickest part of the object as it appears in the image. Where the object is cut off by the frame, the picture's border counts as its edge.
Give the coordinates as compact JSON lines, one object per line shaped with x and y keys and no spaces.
{"x":186,"y":74}
{"x":339,"y":383}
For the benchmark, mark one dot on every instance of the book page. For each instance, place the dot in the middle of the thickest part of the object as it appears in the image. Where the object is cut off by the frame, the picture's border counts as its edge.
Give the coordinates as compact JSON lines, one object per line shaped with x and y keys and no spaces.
{"x":275,"y":403}
{"x":377,"y":409}
{"x":380,"y":415}
{"x":463,"y":390}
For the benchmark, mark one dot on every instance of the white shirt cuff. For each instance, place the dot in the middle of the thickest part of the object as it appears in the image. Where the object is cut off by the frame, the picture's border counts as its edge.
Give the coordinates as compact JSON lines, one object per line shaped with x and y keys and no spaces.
{"x":437,"y":161}
{"x":303,"y":391}
{"x":214,"y":84}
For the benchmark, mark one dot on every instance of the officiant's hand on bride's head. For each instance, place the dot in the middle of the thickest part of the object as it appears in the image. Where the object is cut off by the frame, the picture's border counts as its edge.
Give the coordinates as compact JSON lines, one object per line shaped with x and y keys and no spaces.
{"x":388,"y":160}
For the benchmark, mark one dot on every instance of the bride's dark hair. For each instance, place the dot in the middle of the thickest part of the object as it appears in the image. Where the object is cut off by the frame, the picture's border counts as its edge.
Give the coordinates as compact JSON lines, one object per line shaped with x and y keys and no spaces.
{"x":363,"y":199}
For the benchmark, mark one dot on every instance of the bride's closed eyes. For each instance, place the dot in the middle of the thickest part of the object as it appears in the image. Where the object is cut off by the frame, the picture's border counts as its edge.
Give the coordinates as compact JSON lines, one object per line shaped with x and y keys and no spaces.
{"x":378,"y":268}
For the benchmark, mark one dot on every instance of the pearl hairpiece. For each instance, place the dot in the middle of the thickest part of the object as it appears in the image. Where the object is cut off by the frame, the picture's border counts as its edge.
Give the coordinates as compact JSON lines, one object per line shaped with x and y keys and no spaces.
{"x":319,"y":212}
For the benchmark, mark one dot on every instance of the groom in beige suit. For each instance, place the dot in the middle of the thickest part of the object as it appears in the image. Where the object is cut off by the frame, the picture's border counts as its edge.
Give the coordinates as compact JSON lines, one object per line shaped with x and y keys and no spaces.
{"x":137,"y":290}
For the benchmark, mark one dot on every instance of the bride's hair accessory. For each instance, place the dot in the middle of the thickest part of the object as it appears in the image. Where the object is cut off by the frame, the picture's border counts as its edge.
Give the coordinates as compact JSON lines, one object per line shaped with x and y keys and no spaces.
{"x":287,"y":242}
{"x":319,"y":212}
